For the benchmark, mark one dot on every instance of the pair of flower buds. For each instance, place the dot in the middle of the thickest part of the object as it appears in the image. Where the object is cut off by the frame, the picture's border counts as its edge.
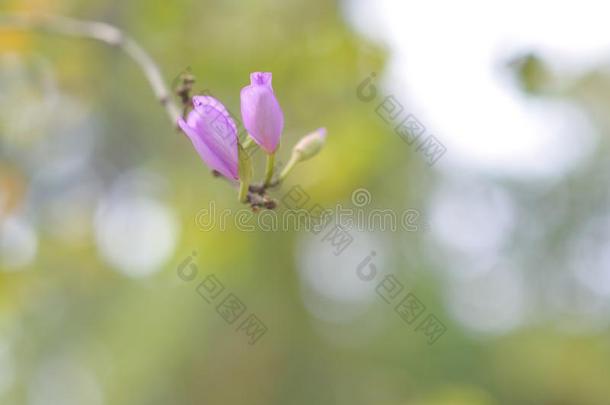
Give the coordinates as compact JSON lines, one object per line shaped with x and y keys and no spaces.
{"x":213,"y":133}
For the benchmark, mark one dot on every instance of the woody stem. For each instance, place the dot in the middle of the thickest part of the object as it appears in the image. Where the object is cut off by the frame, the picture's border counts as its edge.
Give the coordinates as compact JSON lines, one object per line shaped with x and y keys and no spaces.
{"x":104,"y":33}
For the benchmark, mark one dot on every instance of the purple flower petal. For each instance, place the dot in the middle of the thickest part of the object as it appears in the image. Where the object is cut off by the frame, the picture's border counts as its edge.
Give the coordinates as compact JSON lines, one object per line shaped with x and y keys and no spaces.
{"x":213,"y":134}
{"x":261,"y":112}
{"x":207,"y":105}
{"x":263,"y":78}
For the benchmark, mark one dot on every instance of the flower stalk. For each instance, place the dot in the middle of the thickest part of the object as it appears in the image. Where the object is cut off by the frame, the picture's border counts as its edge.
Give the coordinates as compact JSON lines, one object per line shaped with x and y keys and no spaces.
{"x":294,"y":159}
{"x":269,"y":169}
{"x":105,"y":33}
{"x":247,"y":143}
{"x":243,"y":192}
{"x":245,"y":173}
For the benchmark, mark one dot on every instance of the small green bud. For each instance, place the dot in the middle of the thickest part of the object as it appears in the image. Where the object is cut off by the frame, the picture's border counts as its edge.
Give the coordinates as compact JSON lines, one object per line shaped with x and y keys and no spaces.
{"x":306,"y":148}
{"x":310,"y":145}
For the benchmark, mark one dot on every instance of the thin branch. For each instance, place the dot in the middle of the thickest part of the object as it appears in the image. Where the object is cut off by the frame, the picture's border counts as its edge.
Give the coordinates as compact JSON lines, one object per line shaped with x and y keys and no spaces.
{"x":257,"y":193}
{"x":102,"y":32}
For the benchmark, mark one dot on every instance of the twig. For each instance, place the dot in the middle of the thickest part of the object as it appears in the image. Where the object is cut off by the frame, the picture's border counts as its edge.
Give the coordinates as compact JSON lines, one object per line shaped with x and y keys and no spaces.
{"x":102,"y":32}
{"x":257,"y":193}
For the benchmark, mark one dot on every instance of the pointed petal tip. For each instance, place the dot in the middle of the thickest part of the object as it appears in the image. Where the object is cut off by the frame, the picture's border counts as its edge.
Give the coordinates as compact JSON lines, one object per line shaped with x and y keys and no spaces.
{"x":322,"y":132}
{"x":261,"y":78}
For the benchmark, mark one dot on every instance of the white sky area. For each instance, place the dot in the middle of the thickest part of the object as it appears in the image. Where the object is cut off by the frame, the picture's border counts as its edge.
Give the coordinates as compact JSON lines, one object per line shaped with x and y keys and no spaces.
{"x":446,"y":67}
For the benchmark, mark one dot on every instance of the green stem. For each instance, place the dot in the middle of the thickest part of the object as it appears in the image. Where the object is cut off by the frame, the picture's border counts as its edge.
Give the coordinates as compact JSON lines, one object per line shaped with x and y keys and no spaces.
{"x":243,"y":191}
{"x":294,"y":159}
{"x":269,"y":169}
{"x":247,"y":142}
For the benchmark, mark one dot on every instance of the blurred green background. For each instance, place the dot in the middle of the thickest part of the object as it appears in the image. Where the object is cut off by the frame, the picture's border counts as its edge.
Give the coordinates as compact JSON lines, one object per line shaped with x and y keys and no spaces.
{"x":100,"y":203}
